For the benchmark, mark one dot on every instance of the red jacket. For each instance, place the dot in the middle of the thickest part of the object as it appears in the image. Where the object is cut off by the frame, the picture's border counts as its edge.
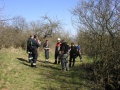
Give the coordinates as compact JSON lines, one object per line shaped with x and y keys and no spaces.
{"x":57,"y":48}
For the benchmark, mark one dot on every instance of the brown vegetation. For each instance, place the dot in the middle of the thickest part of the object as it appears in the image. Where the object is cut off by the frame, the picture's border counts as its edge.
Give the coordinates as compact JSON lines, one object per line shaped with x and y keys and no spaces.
{"x":99,"y":35}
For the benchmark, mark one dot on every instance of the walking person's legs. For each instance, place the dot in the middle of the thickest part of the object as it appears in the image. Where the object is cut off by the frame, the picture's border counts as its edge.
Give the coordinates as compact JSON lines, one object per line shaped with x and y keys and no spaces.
{"x":70,"y":61}
{"x":56,"y":56}
{"x":30,"y":57}
{"x":58,"y":60}
{"x":80,"y":56}
{"x":66,"y":62}
{"x":35,"y":56}
{"x":73,"y":61}
{"x":46,"y":55}
{"x":63,"y":63}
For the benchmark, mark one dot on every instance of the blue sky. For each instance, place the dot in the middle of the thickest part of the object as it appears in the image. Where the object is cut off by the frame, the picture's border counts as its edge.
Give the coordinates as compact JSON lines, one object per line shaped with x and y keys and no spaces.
{"x":32,"y":10}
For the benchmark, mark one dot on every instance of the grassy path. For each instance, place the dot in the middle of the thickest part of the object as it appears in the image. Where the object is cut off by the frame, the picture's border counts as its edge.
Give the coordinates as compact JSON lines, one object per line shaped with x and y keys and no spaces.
{"x":16,"y":73}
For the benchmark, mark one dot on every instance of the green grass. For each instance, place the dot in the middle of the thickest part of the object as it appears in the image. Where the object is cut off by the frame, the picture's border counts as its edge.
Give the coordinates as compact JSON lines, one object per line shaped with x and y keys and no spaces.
{"x":16,"y":73}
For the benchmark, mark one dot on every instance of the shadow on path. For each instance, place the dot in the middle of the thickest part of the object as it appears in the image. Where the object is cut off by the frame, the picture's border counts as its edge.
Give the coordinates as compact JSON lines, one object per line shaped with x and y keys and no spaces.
{"x":44,"y":61}
{"x":21,"y":59}
{"x":50,"y":66}
{"x":24,"y":62}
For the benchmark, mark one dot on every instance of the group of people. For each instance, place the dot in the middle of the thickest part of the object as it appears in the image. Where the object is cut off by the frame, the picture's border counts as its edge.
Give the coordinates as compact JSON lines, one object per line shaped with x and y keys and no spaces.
{"x":62,"y":52}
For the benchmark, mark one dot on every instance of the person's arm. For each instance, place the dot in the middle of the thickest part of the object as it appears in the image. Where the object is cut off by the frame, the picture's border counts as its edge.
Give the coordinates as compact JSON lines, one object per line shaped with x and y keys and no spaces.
{"x":80,"y":50}
{"x":47,"y":47}
{"x":39,"y":42}
{"x":38,"y":45}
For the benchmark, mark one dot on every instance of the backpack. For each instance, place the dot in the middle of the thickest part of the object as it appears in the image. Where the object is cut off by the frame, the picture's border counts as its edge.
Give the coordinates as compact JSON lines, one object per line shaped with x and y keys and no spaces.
{"x":73,"y":51}
{"x":64,"y":47}
{"x":31,"y":44}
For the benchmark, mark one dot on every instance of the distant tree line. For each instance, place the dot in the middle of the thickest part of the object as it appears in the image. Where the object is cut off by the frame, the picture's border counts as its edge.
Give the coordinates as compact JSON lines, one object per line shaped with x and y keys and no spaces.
{"x":16,"y":31}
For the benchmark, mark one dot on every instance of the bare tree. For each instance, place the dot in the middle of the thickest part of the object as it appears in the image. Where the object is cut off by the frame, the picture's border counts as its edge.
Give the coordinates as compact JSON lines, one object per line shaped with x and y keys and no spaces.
{"x":101,"y":21}
{"x":45,"y":27}
{"x":51,"y":26}
{"x":19,"y":23}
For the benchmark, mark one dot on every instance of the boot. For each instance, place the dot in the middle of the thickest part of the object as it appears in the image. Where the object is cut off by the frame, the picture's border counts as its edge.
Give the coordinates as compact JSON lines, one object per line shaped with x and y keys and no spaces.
{"x":70,"y":64}
{"x":73,"y":64}
{"x":58,"y":62}
{"x":31,"y":64}
{"x":34,"y":66}
{"x":55,"y":62}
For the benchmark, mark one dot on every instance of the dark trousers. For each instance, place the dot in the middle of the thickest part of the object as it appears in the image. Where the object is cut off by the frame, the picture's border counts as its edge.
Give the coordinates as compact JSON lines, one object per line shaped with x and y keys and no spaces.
{"x":80,"y":56}
{"x":35,"y":56}
{"x":30,"y":57}
{"x":57,"y":60}
{"x":46,"y":54}
{"x":72,"y":60}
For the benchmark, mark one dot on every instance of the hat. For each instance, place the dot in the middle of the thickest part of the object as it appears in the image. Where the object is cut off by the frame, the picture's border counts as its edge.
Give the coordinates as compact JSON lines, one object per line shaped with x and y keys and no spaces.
{"x":58,"y":39}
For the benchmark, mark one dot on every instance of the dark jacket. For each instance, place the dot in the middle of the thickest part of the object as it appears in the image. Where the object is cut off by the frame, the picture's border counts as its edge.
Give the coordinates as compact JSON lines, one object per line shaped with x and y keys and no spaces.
{"x":28,"y":45}
{"x":73,"y":51}
{"x":46,"y":46}
{"x":33,"y":44}
{"x":64,"y":47}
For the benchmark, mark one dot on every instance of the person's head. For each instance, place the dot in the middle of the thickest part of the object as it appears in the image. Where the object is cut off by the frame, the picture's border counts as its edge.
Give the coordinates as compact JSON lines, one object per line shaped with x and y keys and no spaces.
{"x":36,"y":37}
{"x":72,"y":44}
{"x":62,"y":41}
{"x":46,"y":41}
{"x":58,"y":40}
{"x":31,"y":36}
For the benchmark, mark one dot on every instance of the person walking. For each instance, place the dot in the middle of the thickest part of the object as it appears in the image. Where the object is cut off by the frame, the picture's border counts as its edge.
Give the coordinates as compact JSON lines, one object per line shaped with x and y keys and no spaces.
{"x":79,"y":52}
{"x":57,"y":50}
{"x":46,"y":48}
{"x":73,"y":54}
{"x":34,"y":44}
{"x":64,"y":56}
